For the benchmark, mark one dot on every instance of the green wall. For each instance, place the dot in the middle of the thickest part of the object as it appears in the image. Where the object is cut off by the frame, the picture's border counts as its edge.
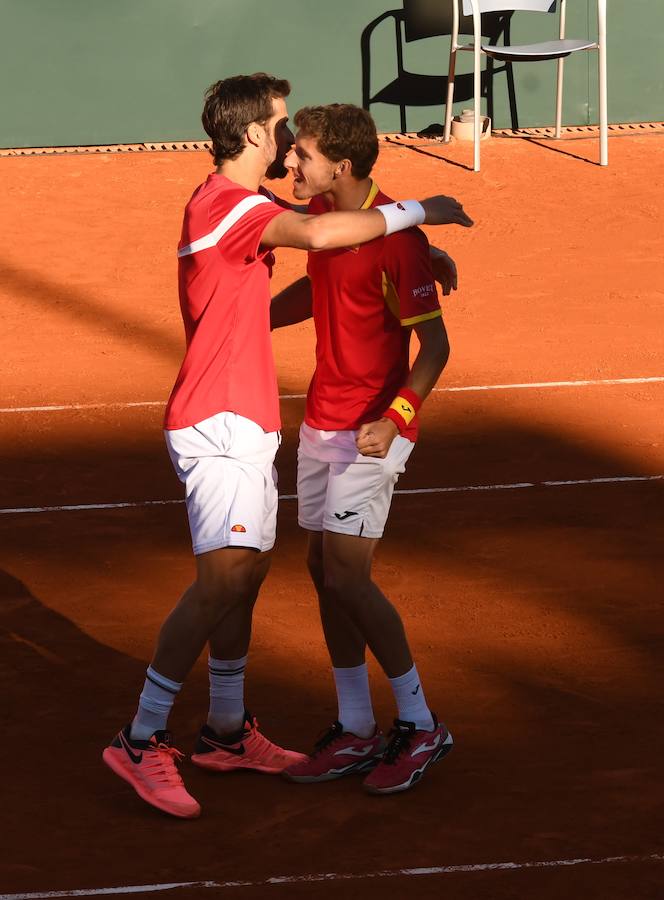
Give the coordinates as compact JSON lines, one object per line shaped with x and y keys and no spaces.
{"x":127,"y":71}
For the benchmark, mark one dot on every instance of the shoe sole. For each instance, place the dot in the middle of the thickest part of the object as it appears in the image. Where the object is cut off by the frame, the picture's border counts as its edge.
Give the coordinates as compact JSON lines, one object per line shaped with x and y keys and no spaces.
{"x":356,"y":769}
{"x":211,"y":766}
{"x":445,"y":748}
{"x":111,"y":762}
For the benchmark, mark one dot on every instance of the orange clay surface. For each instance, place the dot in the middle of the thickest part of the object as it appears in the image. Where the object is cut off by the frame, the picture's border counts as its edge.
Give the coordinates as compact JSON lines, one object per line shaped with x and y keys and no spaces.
{"x":534,"y":614}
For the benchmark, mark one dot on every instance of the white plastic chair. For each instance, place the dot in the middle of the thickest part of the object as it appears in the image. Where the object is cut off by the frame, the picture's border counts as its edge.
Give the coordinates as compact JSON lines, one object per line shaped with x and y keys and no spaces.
{"x":546,"y":50}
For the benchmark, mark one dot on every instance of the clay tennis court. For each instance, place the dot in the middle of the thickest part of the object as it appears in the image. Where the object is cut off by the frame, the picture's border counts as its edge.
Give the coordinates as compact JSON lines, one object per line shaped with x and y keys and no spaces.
{"x":524,"y":549}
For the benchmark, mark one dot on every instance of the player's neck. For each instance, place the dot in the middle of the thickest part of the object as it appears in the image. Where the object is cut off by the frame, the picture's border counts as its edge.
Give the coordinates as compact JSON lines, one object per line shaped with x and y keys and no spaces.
{"x":349,"y":193}
{"x":244,"y":170}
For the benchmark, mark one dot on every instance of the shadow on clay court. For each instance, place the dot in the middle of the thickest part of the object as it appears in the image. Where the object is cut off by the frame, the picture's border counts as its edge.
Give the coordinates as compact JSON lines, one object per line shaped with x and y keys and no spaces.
{"x":64,"y":696}
{"x":569,"y":541}
{"x":438,"y":149}
{"x":438,"y":156}
{"x":532,"y":616}
{"x":546,"y":145}
{"x":96,"y":313}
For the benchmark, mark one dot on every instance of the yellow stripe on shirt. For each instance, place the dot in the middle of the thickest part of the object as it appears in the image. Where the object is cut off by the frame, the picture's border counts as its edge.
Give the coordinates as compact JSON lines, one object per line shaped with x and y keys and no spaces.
{"x":371,"y":196}
{"x":424,"y":318}
{"x":391,"y":296}
{"x":393,"y":302}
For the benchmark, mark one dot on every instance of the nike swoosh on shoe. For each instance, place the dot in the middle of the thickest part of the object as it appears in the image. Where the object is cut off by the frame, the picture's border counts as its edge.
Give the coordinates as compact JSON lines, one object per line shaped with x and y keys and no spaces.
{"x":236,"y":751}
{"x":136,"y":758}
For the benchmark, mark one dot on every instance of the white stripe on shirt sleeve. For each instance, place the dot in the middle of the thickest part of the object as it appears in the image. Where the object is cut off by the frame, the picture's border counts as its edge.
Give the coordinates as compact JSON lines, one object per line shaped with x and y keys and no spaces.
{"x":213,"y":238}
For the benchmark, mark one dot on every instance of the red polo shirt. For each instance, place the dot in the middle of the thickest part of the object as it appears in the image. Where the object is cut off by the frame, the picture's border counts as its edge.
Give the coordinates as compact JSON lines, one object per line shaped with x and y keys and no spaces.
{"x":224,"y":287}
{"x":365,"y":301}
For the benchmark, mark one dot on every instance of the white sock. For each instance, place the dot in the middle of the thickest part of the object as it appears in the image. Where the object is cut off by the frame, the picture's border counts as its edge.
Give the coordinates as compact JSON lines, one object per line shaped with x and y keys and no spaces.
{"x":354,"y":698}
{"x":410,"y":700}
{"x":226,"y":713}
{"x":154,"y":705}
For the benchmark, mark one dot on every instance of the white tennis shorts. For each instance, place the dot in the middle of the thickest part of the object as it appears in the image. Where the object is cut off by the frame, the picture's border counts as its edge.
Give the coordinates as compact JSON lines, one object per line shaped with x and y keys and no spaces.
{"x":340,"y":490}
{"x":227,"y":465}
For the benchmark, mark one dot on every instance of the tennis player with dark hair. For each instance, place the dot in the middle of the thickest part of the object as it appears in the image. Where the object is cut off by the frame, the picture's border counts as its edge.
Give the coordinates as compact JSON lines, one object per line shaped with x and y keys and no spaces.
{"x":359,"y":430}
{"x":222,"y":431}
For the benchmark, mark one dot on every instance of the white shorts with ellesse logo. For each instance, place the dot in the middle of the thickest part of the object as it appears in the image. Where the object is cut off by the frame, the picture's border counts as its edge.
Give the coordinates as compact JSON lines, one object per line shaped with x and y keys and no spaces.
{"x":227,"y":465}
{"x":340,"y":490}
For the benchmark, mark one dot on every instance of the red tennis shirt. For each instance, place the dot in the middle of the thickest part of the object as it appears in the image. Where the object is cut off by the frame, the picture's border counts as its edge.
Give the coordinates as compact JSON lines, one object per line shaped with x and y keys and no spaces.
{"x":365,"y":301}
{"x":224,"y":287}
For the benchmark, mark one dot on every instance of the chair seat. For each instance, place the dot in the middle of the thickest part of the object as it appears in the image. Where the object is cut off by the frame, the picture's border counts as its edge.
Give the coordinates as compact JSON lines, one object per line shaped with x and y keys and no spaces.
{"x":539,"y":51}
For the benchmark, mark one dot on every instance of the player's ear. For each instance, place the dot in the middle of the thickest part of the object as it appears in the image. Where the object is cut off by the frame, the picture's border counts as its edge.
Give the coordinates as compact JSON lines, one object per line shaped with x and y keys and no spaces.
{"x":344,"y":167}
{"x":254,"y":134}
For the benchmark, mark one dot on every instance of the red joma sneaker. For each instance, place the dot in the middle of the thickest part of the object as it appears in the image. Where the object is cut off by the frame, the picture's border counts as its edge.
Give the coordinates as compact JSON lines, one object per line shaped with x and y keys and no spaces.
{"x":409,"y":753}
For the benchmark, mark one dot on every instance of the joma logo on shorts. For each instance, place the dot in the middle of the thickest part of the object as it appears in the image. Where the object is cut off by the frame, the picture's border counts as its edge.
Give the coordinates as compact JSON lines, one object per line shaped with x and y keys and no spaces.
{"x":345,"y":515}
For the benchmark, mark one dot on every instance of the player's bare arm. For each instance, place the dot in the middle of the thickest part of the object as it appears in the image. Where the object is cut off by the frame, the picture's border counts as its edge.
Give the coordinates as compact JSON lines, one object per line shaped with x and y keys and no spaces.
{"x":442,"y":265}
{"x":375,"y":438}
{"x":292,"y":305}
{"x":341,"y":229}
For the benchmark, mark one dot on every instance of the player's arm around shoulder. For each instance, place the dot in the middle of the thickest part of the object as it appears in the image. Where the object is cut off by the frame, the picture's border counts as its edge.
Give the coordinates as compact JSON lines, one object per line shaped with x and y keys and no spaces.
{"x":324,"y":232}
{"x":342,"y":229}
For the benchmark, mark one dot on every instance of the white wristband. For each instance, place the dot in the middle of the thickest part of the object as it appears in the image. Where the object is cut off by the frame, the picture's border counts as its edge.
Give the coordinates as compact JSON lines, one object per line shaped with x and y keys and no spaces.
{"x":404,"y":214}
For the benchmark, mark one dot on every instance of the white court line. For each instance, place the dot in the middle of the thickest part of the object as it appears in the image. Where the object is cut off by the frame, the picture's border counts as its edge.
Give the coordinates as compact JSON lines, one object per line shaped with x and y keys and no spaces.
{"x":553,"y":384}
{"x":30,"y":409}
{"x":515,"y":486}
{"x":336,"y":876}
{"x":441,"y":390}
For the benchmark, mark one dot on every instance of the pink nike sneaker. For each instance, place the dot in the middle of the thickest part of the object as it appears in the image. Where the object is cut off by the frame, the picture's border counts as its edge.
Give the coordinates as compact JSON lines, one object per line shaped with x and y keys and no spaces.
{"x":408,"y":754}
{"x":149,"y":767}
{"x":338,"y":753}
{"x":246,"y":749}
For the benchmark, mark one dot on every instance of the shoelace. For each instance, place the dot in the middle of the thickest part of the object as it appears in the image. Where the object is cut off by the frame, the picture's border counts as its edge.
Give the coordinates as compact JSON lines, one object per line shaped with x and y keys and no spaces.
{"x":162,"y":766}
{"x":265,"y":744}
{"x":328,"y":737}
{"x":399,"y":742}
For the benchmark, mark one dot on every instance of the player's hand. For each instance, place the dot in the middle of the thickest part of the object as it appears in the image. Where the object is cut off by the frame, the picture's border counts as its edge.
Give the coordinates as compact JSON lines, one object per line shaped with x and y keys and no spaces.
{"x":375,"y":438}
{"x":443,"y":210}
{"x":444,"y":270}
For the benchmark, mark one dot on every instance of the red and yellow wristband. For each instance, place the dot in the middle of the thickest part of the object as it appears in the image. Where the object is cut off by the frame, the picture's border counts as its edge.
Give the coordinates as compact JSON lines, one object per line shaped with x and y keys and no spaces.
{"x":403,"y":408}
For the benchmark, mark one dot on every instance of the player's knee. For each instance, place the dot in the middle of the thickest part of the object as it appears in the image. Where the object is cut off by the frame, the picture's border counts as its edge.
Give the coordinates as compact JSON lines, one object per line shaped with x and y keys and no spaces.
{"x":345,"y":586}
{"x":219,"y":591}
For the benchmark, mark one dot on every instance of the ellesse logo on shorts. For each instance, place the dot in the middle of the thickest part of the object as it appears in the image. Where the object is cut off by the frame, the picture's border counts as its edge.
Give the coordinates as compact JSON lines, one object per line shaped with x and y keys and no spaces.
{"x":239,"y":528}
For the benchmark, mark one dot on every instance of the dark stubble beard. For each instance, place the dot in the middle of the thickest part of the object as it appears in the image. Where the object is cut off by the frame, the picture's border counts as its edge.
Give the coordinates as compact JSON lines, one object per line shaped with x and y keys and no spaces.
{"x":276,"y":169}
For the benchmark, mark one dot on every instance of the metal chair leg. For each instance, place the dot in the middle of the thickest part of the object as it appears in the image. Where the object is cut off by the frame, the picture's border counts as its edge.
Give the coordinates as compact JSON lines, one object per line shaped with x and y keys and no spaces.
{"x":449,"y":102}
